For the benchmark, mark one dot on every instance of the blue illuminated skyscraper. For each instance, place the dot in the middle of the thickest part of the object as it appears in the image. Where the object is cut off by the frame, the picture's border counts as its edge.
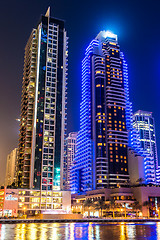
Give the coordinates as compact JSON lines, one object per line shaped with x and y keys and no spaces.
{"x":143,"y":122}
{"x":43,"y":108}
{"x":102,"y":158}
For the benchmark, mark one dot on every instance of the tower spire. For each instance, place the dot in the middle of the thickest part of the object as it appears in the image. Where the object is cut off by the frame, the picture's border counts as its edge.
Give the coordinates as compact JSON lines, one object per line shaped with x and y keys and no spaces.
{"x":48,"y":12}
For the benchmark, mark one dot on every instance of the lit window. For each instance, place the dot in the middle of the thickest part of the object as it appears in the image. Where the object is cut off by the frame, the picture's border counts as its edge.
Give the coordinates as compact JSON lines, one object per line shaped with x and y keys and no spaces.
{"x":99,"y":144}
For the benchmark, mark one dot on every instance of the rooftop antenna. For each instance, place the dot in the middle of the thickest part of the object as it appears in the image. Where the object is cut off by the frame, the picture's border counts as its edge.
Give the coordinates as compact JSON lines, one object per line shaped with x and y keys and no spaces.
{"x":48,"y":12}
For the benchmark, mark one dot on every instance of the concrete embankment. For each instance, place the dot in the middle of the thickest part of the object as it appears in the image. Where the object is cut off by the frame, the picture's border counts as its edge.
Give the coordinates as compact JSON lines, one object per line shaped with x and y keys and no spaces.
{"x":110,"y":221}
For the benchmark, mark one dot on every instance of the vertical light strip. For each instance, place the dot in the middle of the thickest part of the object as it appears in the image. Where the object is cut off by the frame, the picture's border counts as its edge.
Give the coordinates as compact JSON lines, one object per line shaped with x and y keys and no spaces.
{"x":63,"y":109}
{"x":35,"y":110}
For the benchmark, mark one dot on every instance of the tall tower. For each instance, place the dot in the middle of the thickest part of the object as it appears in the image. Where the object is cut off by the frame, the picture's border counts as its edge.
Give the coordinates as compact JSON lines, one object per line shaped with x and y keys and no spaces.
{"x":101,"y":158}
{"x":43,"y":106}
{"x":70,"y":150}
{"x":11,"y":167}
{"x":143,"y":122}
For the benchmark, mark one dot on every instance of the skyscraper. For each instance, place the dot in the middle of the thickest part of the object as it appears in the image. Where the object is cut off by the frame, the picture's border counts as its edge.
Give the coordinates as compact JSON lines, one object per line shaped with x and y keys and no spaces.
{"x":11,"y":167}
{"x":143,"y":122}
{"x":43,"y":106}
{"x":70,"y":150}
{"x":101,"y":158}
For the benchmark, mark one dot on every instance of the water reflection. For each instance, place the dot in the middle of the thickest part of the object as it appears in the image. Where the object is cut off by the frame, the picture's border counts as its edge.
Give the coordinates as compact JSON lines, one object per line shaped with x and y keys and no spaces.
{"x":80,"y":231}
{"x":158,"y":230}
{"x":131,"y":231}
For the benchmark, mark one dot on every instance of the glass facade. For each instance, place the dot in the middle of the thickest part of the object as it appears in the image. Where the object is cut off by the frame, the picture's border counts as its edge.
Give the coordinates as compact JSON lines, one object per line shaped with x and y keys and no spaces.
{"x":143,"y":122}
{"x":101,"y":158}
{"x":48,"y":47}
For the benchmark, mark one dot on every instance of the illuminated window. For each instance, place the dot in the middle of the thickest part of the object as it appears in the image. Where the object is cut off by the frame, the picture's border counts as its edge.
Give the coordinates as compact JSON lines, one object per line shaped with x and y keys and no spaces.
{"x":49,"y":60}
{"x":99,"y":144}
{"x":45,"y":139}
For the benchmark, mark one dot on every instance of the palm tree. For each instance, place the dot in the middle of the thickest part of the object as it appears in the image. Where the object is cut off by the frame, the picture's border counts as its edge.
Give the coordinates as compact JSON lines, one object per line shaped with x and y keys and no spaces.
{"x":100,"y":205}
{"x":147,"y":204}
{"x":113,"y":205}
{"x":88,"y":203}
{"x":136,"y":206}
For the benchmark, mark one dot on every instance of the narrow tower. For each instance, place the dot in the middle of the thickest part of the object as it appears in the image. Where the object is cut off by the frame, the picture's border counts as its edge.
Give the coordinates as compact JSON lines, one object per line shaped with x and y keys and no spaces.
{"x":43,"y":107}
{"x":143,"y":122}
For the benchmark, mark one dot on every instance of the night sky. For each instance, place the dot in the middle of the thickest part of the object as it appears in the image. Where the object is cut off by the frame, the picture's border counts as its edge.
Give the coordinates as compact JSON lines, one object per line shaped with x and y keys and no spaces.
{"x":137,"y":24}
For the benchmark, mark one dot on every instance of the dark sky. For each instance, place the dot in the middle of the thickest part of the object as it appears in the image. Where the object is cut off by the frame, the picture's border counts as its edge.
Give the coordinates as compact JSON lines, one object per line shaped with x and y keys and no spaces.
{"x":137,"y":24}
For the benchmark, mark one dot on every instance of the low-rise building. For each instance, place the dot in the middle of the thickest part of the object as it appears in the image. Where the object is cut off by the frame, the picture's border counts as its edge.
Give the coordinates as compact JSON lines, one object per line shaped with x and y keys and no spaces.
{"x":17,"y":202}
{"x":138,"y":200}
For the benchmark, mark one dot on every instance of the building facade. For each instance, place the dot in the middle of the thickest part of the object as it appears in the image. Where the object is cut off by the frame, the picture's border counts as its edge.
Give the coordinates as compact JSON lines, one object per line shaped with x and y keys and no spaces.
{"x":101,"y":158}
{"x":18,"y":202}
{"x":144,"y":122}
{"x":69,"y":155}
{"x":43,"y":107}
{"x":11,"y":167}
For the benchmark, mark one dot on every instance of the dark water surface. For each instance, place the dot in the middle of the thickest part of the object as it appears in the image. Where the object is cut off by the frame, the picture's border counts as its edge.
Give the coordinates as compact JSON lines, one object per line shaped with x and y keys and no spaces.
{"x":85,"y":231}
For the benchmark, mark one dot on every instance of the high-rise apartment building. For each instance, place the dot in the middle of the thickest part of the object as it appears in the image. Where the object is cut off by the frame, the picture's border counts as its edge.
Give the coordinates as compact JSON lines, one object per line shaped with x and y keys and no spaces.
{"x":101,"y":158}
{"x":43,"y":107}
{"x":70,"y":150}
{"x":143,"y":122}
{"x":11,"y":167}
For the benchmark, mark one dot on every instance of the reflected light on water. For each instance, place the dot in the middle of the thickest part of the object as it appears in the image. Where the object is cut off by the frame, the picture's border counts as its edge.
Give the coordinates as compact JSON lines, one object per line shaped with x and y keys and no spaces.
{"x":43,"y":232}
{"x":2,"y":235}
{"x":131,"y":231}
{"x":122,"y":230}
{"x":90,"y":232}
{"x":32,"y":231}
{"x":54,"y":230}
{"x":158,"y":230}
{"x":20,"y":231}
{"x":67,"y":232}
{"x":80,"y":231}
{"x":72,"y":231}
{"x":97,"y":235}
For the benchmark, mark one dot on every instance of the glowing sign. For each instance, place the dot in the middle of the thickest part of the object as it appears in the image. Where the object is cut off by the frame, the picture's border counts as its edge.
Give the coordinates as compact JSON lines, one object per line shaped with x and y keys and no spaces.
{"x":11,"y":198}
